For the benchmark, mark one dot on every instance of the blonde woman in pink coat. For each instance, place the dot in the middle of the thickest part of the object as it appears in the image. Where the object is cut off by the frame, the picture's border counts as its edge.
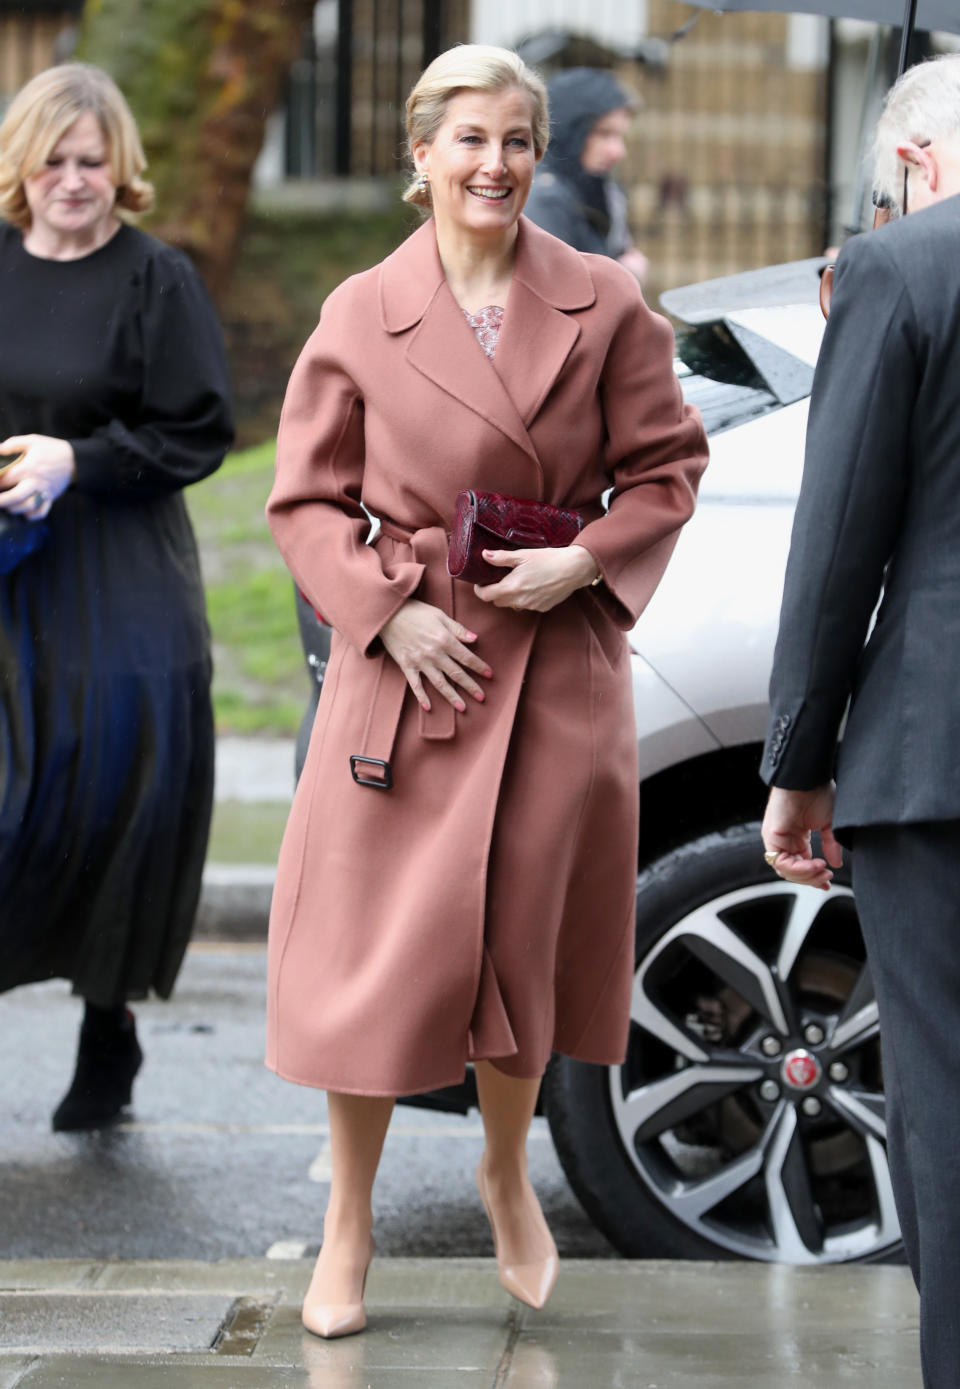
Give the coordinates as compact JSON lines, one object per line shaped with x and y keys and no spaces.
{"x":476,"y":903}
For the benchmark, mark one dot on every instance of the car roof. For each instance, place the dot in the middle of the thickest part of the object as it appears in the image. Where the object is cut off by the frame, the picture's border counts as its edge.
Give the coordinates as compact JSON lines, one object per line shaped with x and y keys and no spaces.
{"x":773,"y":286}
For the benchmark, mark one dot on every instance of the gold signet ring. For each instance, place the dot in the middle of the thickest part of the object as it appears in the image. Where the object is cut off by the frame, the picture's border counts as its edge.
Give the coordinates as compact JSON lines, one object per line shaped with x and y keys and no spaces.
{"x":771,"y":856}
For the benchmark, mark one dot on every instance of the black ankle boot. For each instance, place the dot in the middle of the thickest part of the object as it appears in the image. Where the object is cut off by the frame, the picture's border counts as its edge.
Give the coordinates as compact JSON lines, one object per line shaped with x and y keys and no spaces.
{"x":108,"y":1058}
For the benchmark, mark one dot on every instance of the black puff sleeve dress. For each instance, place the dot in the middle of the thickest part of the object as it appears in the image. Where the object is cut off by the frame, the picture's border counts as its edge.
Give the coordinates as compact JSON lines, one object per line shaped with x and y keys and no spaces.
{"x":106,"y":730}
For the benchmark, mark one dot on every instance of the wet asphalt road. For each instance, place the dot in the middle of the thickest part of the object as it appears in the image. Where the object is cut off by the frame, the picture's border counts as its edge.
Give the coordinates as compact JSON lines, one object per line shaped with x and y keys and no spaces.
{"x":220,"y":1158}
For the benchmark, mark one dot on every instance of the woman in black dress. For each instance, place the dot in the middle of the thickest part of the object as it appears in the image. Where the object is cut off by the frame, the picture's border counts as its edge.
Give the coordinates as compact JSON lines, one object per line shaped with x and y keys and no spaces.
{"x":113,"y":388}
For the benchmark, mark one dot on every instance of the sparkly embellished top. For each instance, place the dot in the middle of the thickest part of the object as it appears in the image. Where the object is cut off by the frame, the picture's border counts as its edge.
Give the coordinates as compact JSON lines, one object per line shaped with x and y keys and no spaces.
{"x":486,"y":324}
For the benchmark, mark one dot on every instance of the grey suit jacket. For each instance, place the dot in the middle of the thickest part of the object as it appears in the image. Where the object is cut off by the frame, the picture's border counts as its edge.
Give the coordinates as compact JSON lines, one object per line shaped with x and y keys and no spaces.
{"x":879,"y":511}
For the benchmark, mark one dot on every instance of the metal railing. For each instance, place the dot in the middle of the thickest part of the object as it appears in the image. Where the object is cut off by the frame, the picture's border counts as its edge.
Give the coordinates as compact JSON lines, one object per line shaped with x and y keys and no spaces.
{"x":346,"y":93}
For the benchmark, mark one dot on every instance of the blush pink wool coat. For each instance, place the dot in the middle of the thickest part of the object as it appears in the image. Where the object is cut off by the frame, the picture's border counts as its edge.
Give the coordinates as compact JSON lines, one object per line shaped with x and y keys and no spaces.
{"x":483,"y":906}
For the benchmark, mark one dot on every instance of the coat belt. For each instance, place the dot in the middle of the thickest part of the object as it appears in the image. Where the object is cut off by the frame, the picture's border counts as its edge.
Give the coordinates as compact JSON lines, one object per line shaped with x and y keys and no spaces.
{"x":372,"y":765}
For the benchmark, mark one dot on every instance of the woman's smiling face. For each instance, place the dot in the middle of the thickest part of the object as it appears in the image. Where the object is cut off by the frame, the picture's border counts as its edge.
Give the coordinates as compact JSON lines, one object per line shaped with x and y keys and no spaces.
{"x":480,"y":163}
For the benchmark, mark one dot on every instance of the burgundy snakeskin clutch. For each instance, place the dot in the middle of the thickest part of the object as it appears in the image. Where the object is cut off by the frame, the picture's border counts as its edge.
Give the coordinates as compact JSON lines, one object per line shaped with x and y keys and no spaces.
{"x":490,"y":521}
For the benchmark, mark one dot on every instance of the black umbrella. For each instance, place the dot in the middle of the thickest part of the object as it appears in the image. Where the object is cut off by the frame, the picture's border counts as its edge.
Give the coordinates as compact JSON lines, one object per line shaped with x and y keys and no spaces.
{"x":911,"y":14}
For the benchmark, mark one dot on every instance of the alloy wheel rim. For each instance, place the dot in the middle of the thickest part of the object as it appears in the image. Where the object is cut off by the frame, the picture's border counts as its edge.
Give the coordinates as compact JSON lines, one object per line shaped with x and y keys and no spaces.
{"x":757,"y":1119}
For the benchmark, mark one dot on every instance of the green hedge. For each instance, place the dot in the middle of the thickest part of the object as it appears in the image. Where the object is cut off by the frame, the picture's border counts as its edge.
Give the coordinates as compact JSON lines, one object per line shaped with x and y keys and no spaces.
{"x":260,"y":680}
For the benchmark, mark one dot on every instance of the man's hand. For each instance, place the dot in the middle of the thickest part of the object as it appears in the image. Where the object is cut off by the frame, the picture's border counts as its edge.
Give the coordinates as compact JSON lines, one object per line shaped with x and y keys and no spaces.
{"x":636,"y":262}
{"x":791,"y":818}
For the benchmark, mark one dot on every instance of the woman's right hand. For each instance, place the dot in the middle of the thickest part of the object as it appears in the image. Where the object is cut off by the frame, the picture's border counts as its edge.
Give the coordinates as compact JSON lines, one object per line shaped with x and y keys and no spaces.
{"x":35,"y":481}
{"x":425,"y":642}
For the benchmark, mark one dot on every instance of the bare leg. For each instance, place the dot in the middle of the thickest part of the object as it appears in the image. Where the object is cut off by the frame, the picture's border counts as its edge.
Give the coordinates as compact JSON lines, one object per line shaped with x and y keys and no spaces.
{"x":358,"y":1126}
{"x":521,"y":1233}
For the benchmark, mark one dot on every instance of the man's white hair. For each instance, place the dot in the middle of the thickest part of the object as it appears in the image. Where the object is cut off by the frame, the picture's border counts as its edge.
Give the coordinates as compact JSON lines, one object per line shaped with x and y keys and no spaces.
{"x":923,"y":105}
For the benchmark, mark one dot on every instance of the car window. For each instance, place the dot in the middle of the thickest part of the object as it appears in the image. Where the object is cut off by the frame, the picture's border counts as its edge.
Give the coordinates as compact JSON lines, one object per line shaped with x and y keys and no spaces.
{"x":717,"y":376}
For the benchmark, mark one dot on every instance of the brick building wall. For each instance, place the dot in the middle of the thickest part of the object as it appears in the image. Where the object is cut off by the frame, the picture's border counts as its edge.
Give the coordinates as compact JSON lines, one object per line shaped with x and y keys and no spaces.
{"x":727,"y":160}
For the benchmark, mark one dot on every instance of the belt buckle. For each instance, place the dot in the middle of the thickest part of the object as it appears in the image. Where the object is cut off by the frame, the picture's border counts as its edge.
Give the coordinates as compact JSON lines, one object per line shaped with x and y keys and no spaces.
{"x":380,"y":783}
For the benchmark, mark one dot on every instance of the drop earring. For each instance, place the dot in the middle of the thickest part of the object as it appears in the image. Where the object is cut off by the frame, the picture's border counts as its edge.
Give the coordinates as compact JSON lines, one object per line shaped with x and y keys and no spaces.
{"x":423,"y":182}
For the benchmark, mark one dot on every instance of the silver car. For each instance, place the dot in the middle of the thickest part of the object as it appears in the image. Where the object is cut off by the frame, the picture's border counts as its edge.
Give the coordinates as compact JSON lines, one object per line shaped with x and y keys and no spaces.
{"x":748,"y":1118}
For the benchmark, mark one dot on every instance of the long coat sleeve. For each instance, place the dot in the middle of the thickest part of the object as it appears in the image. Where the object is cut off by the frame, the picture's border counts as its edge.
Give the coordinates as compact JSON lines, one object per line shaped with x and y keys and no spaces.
{"x":877,"y":515}
{"x":181,"y":424}
{"x":482,"y":906}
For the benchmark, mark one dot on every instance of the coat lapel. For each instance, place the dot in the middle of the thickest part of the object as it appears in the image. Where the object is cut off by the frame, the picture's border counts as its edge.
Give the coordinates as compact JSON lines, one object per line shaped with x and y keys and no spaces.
{"x":549,"y":281}
{"x":444,"y":348}
{"x":536,"y":339}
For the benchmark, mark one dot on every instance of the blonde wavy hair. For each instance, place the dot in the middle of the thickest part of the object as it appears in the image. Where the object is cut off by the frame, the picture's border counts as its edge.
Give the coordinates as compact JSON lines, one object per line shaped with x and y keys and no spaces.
{"x":40,"y":115}
{"x":474,"y":67}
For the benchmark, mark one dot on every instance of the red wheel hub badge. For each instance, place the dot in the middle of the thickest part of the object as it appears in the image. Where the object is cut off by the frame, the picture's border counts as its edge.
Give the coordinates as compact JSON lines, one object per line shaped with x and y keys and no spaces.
{"x":801,"y":1071}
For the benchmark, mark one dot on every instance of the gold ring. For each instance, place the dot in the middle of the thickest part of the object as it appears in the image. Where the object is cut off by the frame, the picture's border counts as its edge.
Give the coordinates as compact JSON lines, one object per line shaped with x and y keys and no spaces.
{"x":771,"y":856}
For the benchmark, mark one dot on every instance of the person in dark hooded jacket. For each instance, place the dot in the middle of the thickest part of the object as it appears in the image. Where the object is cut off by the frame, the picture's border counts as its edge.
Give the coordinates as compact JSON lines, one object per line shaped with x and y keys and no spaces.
{"x":574,"y":194}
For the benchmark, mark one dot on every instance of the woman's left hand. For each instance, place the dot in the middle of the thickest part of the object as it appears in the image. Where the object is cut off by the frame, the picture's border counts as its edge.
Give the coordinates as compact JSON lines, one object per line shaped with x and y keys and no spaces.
{"x":538,"y":579}
{"x":47,"y":469}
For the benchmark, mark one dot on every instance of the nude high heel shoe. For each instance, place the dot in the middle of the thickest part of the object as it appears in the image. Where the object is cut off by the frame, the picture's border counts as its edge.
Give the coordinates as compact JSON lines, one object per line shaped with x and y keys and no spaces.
{"x":530,"y":1282}
{"x":328,"y":1319}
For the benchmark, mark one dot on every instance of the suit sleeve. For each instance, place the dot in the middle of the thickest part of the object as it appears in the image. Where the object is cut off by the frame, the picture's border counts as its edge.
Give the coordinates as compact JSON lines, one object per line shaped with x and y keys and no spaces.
{"x":184,"y":423}
{"x":656,"y":451}
{"x":314,"y":509}
{"x":848,"y":515}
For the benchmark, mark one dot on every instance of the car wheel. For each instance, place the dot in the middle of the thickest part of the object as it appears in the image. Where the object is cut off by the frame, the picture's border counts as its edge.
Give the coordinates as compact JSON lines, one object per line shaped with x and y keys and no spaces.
{"x":748,"y":1118}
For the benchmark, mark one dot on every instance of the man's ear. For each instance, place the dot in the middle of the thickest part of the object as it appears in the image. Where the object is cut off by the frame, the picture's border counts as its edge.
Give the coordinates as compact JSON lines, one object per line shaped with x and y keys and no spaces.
{"x":923,"y":159}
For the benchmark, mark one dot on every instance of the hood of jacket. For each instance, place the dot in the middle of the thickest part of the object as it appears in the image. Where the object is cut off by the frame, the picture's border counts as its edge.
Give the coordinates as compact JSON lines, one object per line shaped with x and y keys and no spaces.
{"x":578,"y":98}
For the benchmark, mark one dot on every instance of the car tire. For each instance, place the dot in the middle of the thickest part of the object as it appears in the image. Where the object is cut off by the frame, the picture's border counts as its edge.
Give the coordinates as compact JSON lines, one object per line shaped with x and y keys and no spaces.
{"x":703,"y":1144}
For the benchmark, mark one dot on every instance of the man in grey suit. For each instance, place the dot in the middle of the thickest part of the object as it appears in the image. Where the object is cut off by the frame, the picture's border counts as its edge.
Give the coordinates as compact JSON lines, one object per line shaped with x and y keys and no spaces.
{"x":879,"y":520}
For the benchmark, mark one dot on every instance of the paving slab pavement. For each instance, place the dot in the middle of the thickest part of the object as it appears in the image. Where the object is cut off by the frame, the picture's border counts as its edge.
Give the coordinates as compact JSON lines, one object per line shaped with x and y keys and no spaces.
{"x":254,"y":769}
{"x":446,"y":1324}
{"x":235,"y":897}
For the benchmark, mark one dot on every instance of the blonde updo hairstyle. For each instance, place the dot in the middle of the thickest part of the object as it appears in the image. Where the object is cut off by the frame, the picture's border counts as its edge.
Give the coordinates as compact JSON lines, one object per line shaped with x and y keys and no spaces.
{"x":474,"y":67}
{"x":40,"y":115}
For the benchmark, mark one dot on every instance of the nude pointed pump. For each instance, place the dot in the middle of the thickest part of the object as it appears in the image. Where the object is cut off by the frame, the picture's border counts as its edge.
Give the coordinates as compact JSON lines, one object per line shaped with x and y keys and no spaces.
{"x":330,"y":1320}
{"x":530,"y":1282}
